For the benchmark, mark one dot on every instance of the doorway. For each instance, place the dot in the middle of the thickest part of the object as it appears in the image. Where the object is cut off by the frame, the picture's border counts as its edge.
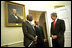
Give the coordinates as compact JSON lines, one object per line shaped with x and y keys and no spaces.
{"x":40,"y":15}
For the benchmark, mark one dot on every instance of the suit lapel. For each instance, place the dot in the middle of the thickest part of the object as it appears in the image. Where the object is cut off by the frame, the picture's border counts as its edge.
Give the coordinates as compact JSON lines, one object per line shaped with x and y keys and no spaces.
{"x":30,"y":25}
{"x":52,"y":25}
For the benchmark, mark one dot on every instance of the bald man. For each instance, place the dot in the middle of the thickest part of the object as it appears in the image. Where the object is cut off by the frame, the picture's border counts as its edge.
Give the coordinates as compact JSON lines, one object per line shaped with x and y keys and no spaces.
{"x":29,"y":33}
{"x":13,"y":18}
{"x":40,"y":34}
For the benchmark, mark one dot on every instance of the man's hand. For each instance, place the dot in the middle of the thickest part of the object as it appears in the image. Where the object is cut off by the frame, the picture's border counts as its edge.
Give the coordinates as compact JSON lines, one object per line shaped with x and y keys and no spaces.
{"x":35,"y":38}
{"x":45,"y":40}
{"x":54,"y":36}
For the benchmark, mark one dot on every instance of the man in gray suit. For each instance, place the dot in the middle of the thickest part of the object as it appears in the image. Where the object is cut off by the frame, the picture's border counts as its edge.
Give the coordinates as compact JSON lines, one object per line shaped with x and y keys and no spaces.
{"x":29,"y":32}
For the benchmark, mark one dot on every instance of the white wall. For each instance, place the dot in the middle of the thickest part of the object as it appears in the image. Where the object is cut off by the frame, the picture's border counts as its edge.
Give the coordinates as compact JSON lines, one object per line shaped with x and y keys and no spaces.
{"x":14,"y":34}
{"x":9,"y":35}
{"x":65,"y":14}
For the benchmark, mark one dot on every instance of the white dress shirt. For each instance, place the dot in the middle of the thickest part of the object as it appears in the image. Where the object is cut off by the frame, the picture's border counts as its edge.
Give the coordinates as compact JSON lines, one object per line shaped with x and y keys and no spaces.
{"x":15,"y":16}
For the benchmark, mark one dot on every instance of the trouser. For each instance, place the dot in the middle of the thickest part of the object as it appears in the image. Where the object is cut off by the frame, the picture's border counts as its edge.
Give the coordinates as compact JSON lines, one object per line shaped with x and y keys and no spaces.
{"x":56,"y":44}
{"x":40,"y":43}
{"x":32,"y":45}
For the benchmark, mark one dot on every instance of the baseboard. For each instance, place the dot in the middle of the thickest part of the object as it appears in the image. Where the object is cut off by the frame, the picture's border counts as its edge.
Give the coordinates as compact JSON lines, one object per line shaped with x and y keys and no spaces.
{"x":4,"y":46}
{"x":11,"y":43}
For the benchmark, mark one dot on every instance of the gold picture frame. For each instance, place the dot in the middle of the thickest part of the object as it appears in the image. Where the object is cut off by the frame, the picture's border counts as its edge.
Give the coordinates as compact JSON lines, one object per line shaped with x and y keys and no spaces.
{"x":14,"y":14}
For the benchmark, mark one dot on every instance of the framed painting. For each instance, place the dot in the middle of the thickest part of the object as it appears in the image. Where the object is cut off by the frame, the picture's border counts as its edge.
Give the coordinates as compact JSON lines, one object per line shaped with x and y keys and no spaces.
{"x":14,"y":14}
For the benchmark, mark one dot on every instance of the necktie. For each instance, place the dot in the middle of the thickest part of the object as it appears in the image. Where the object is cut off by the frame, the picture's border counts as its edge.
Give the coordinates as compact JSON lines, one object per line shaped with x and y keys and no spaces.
{"x":54,"y":24}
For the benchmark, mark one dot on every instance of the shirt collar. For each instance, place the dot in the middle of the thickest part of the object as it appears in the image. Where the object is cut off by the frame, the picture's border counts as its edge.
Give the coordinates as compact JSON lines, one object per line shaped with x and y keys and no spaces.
{"x":56,"y":20}
{"x":14,"y":14}
{"x":37,"y":25}
{"x":29,"y":21}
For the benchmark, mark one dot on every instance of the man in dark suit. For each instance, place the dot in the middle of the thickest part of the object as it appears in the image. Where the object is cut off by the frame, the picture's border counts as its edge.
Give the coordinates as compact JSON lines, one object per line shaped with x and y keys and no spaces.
{"x":13,"y":18}
{"x":40,"y":34}
{"x":57,"y":31}
{"x":29,"y":33}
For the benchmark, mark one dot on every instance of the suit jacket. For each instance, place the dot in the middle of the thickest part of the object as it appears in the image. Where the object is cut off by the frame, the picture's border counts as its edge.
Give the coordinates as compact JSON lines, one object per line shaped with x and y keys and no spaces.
{"x":28,"y":32}
{"x":12,"y":19}
{"x":59,"y":30}
{"x":40,"y":34}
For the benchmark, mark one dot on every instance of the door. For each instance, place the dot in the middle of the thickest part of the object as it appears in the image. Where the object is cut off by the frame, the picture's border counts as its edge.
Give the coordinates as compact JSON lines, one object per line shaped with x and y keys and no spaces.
{"x":65,"y":14}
